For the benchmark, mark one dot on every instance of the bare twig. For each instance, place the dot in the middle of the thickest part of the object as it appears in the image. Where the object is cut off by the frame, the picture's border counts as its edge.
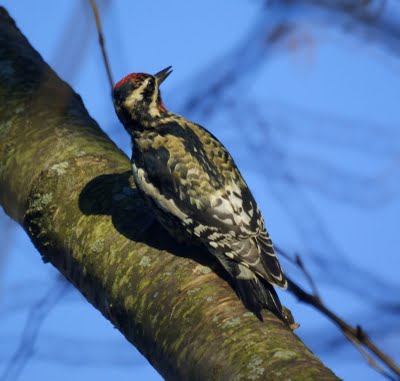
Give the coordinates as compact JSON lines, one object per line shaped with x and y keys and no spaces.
{"x":300,"y":264}
{"x":356,"y":335}
{"x":101,"y":41}
{"x":371,"y":361}
{"x":297,"y":261}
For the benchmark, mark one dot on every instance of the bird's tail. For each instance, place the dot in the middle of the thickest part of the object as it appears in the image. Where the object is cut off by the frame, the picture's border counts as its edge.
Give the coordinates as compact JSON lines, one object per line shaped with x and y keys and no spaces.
{"x":255,"y":292}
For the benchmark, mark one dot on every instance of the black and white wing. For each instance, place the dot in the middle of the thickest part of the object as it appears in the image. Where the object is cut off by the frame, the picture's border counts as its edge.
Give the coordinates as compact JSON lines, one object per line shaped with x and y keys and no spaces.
{"x":193,"y":180}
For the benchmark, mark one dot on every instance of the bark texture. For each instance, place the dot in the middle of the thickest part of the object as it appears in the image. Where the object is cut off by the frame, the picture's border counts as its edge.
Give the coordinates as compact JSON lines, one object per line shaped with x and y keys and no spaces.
{"x":70,"y":188}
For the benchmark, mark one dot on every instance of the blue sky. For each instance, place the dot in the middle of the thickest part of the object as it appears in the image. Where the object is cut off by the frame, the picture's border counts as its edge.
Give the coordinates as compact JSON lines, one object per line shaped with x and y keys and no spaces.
{"x":323,"y":167}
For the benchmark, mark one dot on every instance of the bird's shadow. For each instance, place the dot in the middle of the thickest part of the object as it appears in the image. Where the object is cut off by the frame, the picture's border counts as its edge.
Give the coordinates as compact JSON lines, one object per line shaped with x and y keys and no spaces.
{"x":115,"y":195}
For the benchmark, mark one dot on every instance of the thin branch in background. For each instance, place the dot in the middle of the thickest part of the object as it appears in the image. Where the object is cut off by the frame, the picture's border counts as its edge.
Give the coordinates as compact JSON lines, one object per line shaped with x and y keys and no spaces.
{"x":37,"y":314}
{"x":323,"y":130}
{"x":262,"y":43}
{"x":313,"y":230}
{"x":102,"y":42}
{"x":300,"y":264}
{"x":370,"y":360}
{"x":356,"y":335}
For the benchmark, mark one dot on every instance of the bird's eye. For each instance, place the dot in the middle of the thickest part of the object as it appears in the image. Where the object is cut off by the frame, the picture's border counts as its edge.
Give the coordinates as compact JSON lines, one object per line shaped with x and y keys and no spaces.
{"x":150,"y":84}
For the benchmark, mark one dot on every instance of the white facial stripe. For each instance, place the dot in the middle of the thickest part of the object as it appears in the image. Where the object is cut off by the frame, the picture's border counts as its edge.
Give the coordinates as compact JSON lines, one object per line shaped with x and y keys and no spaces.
{"x":153,"y":109}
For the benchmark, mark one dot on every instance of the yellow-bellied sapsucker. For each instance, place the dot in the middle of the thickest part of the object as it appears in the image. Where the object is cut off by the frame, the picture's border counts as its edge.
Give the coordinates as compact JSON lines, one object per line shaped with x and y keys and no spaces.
{"x":196,"y":190}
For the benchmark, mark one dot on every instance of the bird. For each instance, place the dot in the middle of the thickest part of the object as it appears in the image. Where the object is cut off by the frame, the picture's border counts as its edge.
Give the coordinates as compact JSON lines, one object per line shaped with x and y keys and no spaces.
{"x":196,"y":192}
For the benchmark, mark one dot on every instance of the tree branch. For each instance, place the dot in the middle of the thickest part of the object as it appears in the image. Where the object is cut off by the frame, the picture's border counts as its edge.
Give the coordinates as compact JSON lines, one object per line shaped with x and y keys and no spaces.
{"x":69,"y":187}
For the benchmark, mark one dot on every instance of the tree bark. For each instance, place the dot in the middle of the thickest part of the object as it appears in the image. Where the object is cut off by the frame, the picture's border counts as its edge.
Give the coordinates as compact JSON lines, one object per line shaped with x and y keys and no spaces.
{"x":67,"y":184}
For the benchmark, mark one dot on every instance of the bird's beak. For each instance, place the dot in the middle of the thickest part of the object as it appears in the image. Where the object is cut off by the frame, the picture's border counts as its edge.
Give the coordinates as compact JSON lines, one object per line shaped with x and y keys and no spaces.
{"x":163,"y":74}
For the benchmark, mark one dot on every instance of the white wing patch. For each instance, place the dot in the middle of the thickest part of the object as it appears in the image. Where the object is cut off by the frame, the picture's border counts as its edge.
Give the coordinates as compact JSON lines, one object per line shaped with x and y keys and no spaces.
{"x":228,"y":207}
{"x":150,"y":190}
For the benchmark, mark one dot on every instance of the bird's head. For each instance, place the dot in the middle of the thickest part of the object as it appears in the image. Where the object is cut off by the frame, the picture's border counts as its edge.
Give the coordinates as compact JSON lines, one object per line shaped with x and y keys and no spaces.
{"x":137,"y":96}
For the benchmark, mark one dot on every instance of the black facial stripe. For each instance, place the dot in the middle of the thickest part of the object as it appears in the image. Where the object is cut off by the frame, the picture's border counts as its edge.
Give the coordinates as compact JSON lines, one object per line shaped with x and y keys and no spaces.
{"x":148,"y":91}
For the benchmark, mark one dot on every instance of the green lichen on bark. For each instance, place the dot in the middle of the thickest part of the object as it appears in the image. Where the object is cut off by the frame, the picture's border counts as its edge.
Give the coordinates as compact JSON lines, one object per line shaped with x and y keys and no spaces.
{"x":70,"y":188}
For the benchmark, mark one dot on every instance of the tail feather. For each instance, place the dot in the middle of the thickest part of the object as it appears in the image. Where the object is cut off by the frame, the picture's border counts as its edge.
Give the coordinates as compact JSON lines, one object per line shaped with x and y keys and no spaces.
{"x":255,"y":292}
